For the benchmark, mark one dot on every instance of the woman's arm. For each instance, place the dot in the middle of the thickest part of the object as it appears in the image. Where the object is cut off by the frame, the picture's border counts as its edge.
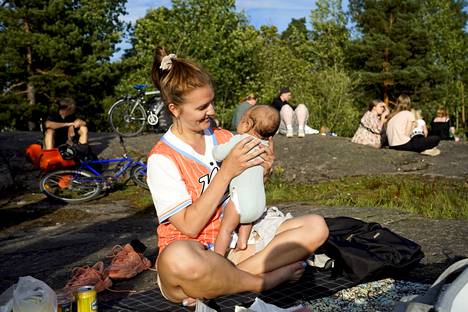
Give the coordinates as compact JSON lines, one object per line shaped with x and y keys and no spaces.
{"x":410,"y":125}
{"x":371,"y":122}
{"x":191,"y":220}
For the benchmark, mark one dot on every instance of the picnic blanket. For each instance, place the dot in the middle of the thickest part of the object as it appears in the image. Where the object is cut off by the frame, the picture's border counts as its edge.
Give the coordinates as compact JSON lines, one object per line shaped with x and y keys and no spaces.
{"x":314,"y":284}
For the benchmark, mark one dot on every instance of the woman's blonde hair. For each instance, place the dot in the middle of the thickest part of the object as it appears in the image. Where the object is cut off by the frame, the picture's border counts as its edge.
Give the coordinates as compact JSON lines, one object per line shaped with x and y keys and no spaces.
{"x":442,"y":112}
{"x":403,"y":103}
{"x":249,"y":97}
{"x":177,"y":76}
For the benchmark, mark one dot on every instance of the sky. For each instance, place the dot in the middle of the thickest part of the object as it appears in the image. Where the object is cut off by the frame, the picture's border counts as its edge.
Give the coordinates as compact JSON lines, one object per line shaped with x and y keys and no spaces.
{"x":259,"y":12}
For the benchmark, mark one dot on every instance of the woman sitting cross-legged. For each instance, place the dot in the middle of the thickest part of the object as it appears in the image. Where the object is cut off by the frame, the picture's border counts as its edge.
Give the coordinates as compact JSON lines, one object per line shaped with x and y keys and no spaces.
{"x":189,"y":192}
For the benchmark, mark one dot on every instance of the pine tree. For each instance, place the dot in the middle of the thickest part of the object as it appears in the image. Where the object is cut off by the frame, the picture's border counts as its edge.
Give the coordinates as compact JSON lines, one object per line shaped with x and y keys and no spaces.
{"x":393,"y":52}
{"x":52,"y":49}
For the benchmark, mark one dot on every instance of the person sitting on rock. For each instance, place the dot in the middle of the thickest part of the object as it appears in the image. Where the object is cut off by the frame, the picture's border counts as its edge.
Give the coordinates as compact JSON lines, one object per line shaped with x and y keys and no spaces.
{"x":442,"y":126}
{"x":370,"y":126}
{"x":400,"y":124}
{"x":291,"y":116}
{"x":420,"y":127}
{"x":63,"y":127}
{"x":246,"y":103}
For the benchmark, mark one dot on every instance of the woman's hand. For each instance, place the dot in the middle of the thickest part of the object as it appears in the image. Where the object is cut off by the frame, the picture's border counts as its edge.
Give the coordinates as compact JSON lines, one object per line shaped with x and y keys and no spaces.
{"x":240,"y":157}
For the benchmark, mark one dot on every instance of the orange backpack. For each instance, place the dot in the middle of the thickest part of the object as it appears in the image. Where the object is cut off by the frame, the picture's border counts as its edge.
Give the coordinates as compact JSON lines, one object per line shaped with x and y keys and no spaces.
{"x":47,"y":160}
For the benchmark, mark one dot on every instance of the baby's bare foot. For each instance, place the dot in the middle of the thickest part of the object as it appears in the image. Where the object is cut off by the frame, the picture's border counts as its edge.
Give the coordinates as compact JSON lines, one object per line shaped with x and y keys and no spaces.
{"x":241,"y":245}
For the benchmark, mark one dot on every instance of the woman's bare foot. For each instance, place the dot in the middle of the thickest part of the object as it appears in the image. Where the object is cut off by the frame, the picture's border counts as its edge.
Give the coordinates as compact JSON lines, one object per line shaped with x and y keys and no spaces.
{"x":189,"y":302}
{"x":288,"y":273}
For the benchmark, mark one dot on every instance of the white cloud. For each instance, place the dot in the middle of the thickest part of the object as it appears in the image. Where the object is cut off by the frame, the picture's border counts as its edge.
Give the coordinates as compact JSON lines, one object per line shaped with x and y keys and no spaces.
{"x":137,"y":8}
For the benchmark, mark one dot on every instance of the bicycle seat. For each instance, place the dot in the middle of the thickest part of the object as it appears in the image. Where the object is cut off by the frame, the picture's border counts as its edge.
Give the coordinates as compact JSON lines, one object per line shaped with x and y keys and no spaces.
{"x":140,"y":87}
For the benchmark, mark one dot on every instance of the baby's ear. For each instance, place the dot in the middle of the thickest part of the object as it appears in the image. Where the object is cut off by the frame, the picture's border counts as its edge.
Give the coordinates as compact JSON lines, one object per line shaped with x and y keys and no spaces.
{"x":244,"y":125}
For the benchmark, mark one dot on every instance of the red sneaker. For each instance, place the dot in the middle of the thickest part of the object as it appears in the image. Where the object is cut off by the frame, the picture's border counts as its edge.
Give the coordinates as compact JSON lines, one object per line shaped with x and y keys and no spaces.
{"x":89,"y":276}
{"x":126,"y":262}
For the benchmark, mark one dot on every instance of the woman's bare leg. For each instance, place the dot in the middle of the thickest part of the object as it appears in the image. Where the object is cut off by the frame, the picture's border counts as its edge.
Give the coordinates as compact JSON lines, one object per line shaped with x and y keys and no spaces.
{"x":49,"y":138}
{"x":286,"y":114}
{"x":83,"y":133}
{"x":295,"y":240}
{"x":302,"y":115}
{"x":186,"y":269}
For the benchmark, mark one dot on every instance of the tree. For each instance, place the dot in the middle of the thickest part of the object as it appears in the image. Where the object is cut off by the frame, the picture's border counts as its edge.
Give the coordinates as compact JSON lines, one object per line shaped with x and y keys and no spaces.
{"x":296,"y":36}
{"x":207,"y":31}
{"x":446,"y":23}
{"x":55,"y":48}
{"x":393,"y":52}
{"x":329,"y":36}
{"x":326,"y":92}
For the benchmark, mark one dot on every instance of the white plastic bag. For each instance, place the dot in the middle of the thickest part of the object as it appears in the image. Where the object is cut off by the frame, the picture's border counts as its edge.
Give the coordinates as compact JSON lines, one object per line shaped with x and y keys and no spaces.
{"x":29,"y":295}
{"x":6,"y":299}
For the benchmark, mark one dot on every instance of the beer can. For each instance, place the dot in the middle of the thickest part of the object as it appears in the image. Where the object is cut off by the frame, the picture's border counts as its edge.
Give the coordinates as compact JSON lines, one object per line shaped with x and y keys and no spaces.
{"x":65,"y":301}
{"x":86,"y":299}
{"x":65,"y":307}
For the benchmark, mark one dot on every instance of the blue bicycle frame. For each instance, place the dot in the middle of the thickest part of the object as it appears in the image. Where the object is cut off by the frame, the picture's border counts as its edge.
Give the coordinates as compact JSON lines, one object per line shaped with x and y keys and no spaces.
{"x":129,"y":162}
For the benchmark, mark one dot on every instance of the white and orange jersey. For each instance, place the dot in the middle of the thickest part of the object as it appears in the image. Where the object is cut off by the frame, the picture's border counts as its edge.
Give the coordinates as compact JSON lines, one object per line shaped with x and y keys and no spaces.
{"x":177,"y":176}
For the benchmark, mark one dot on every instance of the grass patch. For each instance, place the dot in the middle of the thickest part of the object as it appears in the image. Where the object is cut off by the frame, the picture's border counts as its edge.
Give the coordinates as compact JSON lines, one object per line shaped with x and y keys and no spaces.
{"x":430,"y":197}
{"x":138,"y":197}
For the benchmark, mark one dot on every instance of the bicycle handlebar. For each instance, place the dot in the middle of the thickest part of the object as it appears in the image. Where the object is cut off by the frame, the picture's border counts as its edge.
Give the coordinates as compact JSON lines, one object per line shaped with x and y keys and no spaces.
{"x":155,"y":92}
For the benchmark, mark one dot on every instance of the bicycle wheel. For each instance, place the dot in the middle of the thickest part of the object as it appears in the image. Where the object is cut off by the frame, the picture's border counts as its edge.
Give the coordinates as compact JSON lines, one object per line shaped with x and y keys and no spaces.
{"x":71,"y":186}
{"x":138,"y":175}
{"x":127,"y":117}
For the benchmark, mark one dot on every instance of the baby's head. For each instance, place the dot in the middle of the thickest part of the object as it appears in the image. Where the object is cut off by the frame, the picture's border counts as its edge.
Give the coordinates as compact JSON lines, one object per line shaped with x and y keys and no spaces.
{"x":260,"y":120}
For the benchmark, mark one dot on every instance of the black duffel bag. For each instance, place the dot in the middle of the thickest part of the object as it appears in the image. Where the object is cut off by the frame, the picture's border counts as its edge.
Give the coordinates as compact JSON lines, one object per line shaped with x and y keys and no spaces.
{"x":367,"y":251}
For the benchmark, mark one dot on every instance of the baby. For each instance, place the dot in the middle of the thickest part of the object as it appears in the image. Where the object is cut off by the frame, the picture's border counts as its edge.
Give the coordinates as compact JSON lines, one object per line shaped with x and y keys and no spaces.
{"x":247,"y":190}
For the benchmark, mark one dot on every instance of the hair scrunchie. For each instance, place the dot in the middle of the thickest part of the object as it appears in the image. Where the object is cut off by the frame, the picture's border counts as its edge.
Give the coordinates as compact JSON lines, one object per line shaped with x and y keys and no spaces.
{"x":166,"y":62}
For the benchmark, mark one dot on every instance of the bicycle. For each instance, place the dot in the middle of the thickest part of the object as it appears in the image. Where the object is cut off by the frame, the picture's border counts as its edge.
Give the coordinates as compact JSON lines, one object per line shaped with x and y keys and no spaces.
{"x":86,"y":182}
{"x":129,"y":115}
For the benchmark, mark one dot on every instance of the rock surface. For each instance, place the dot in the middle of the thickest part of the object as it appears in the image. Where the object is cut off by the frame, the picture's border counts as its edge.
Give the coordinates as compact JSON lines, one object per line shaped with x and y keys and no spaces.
{"x":46,"y":240}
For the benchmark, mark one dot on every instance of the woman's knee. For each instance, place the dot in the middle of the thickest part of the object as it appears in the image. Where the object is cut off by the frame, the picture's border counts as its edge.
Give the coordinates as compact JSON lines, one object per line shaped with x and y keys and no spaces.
{"x":317,"y":228}
{"x":302,"y":107}
{"x":286,"y":109}
{"x":183,"y":259}
{"x":49,"y":132}
{"x":83,"y":130}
